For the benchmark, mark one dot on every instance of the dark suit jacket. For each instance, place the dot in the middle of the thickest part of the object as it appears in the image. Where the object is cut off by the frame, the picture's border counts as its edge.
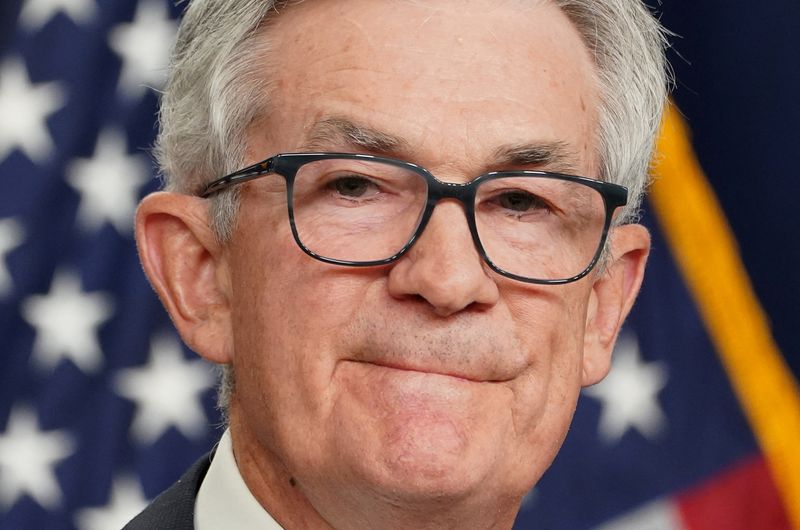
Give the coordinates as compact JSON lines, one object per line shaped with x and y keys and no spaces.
{"x":174,"y":509}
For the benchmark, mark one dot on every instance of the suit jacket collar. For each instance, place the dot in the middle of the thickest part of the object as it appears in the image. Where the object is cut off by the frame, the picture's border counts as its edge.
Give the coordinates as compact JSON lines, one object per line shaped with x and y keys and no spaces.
{"x":174,"y":508}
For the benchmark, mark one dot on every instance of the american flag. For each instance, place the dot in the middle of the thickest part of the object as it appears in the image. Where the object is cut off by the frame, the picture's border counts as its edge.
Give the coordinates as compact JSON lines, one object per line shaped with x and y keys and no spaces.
{"x":101,"y":407}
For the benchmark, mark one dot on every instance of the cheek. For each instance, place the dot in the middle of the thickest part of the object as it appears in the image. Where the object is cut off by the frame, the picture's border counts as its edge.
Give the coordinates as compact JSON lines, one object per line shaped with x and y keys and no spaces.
{"x":290,"y":318}
{"x":545,"y":397}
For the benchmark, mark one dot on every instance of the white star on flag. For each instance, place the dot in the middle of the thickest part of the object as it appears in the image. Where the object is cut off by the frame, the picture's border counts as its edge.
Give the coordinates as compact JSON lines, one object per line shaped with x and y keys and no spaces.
{"x":657,"y":515}
{"x":10,"y":238}
{"x":144,"y":46}
{"x":167,"y":392}
{"x":126,"y":501}
{"x":25,"y":107}
{"x":27,"y":460}
{"x":36,"y":13}
{"x":66,"y":321}
{"x":109,"y":183}
{"x":629,"y":394}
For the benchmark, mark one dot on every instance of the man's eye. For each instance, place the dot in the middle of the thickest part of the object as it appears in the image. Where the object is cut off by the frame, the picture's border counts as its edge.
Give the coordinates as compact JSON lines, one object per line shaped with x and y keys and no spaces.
{"x":352,"y":186}
{"x":521,"y":202}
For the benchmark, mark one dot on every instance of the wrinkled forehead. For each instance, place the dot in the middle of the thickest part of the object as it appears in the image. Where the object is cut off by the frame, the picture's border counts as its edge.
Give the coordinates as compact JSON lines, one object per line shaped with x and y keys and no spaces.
{"x":515,"y":69}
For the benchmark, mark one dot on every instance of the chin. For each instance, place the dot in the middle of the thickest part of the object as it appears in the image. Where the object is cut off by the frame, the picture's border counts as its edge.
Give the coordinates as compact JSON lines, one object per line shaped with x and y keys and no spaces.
{"x":413,"y":437}
{"x":433,"y":461}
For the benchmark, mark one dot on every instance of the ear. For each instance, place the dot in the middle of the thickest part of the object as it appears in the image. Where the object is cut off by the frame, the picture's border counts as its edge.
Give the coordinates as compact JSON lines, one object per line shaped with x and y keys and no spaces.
{"x":612,"y":297}
{"x":187,"y":268}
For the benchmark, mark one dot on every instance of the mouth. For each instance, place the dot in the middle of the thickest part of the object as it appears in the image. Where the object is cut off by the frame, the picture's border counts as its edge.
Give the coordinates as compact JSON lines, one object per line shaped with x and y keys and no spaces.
{"x":408,"y":367}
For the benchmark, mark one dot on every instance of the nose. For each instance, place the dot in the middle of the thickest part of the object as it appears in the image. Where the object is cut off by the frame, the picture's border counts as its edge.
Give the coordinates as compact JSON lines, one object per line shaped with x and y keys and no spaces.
{"x":444,"y":267}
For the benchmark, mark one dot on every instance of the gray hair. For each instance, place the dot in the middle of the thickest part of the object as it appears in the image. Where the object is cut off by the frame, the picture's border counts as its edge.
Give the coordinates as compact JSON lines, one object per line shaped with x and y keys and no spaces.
{"x":628,"y":46}
{"x":217,"y":88}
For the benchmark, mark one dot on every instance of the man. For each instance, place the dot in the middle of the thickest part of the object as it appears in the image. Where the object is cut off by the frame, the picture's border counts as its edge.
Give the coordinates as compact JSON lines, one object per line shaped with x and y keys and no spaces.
{"x":407,"y":309}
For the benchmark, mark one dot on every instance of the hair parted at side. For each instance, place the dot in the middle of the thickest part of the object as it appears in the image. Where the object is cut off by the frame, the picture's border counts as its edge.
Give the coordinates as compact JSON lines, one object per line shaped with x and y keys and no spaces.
{"x":219,"y":83}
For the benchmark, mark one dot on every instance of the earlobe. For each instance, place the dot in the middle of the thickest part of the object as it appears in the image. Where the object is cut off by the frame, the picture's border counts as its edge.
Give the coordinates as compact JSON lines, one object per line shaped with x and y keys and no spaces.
{"x":612,"y":297}
{"x":186,"y":266}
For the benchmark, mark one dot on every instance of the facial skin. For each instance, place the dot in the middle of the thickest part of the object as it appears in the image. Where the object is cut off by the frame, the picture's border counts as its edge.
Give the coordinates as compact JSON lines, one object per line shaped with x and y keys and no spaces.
{"x":431,"y":393}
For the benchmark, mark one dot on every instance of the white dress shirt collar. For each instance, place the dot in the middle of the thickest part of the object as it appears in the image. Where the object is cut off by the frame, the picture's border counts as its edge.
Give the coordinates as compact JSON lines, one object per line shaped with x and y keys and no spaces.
{"x":224,"y":501}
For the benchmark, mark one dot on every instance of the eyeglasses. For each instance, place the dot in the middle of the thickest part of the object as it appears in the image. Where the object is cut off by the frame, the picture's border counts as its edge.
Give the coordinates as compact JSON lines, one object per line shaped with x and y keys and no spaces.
{"x":362,"y":210}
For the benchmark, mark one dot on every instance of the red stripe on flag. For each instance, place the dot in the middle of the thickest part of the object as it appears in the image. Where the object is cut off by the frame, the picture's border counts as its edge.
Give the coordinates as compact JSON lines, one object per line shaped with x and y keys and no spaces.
{"x":742,"y":498}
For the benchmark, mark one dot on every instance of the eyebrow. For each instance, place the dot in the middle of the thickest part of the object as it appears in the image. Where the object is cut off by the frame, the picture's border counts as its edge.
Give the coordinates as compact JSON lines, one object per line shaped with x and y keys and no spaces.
{"x":336,"y":131}
{"x":556,"y":156}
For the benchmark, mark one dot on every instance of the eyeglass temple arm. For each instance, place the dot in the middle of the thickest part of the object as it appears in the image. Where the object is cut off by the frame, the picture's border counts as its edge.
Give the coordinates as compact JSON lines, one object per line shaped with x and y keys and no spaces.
{"x":243,"y":175}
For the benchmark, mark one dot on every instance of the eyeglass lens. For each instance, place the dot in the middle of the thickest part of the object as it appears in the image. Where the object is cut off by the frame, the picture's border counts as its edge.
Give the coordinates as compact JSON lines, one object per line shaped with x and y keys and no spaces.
{"x":364,"y":210}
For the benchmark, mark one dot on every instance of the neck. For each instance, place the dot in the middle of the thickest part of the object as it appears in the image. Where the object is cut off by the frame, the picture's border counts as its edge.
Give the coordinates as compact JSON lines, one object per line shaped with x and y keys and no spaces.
{"x":271,"y":483}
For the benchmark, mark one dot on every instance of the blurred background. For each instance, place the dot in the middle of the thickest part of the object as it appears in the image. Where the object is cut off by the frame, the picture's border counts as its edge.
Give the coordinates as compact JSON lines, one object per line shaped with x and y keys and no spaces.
{"x":101,"y":407}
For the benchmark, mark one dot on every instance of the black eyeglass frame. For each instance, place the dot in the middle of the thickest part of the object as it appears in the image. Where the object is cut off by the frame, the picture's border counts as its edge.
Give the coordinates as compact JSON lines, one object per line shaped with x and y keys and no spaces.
{"x":288,"y":164}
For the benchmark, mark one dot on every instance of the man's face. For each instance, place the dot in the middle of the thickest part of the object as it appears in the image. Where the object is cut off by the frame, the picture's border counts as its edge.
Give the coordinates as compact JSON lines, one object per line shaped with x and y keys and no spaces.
{"x":433,"y":379}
